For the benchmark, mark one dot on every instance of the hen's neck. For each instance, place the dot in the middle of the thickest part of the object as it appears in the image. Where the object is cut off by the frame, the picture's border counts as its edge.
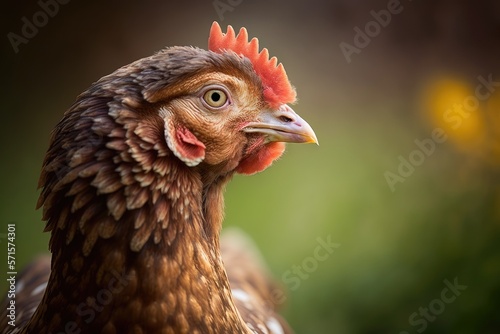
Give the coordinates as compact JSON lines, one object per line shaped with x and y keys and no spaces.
{"x":175,"y":281}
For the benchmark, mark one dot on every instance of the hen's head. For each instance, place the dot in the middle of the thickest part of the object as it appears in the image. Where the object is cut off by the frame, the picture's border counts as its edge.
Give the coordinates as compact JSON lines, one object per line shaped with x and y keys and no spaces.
{"x":228,"y":107}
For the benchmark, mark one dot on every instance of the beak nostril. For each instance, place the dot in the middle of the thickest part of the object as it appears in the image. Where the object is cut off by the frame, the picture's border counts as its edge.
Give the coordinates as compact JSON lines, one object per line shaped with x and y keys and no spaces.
{"x":286,"y":119}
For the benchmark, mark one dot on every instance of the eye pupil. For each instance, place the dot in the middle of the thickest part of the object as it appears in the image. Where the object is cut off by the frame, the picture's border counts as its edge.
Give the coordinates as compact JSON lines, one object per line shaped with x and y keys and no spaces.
{"x":216,"y":97}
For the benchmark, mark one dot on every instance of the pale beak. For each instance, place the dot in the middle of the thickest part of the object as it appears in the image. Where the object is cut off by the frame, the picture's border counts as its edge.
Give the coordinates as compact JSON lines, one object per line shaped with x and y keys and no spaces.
{"x":282,"y":125}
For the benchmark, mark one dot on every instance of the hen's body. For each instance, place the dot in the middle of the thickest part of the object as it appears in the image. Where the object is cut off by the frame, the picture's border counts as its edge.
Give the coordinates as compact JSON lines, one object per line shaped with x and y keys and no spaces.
{"x":133,"y":195}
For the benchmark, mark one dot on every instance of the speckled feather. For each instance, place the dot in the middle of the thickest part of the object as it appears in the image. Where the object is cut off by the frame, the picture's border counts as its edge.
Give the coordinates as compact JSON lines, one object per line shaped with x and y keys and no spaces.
{"x":134,"y":231}
{"x":256,"y":295}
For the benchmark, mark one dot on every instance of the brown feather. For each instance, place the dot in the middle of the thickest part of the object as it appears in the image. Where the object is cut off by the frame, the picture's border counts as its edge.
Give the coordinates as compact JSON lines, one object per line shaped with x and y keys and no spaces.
{"x":116,"y":205}
{"x":107,"y":228}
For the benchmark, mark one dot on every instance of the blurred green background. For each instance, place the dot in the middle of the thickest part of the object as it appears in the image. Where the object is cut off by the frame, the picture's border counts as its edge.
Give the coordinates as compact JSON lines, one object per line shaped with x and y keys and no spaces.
{"x":399,"y":243}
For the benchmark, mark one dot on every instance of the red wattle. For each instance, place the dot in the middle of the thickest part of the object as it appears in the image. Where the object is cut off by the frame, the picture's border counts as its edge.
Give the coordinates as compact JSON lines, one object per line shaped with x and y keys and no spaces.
{"x":261,"y":159}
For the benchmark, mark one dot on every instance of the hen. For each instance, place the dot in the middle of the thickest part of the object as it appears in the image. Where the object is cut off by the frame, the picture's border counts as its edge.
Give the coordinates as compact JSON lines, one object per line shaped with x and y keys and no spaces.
{"x":132,"y":193}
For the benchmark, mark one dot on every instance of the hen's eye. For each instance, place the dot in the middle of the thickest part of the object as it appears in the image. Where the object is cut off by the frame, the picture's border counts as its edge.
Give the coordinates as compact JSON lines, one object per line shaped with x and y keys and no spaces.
{"x":215,"y":98}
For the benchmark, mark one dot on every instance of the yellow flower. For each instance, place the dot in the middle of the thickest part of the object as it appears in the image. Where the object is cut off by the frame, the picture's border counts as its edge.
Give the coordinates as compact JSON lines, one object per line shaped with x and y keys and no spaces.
{"x":451,"y":105}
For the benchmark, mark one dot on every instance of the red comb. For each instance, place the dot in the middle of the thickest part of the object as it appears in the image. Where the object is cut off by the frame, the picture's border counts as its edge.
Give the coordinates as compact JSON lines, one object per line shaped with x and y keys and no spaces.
{"x":277,"y":88}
